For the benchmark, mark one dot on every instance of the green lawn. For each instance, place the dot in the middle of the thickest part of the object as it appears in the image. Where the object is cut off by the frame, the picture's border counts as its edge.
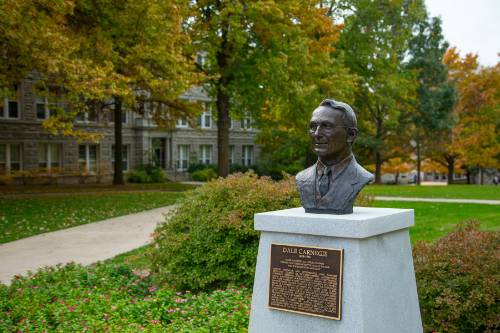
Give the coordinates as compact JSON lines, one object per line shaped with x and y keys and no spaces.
{"x":23,"y":217}
{"x":86,"y":188}
{"x":453,"y":191}
{"x":434,"y":220}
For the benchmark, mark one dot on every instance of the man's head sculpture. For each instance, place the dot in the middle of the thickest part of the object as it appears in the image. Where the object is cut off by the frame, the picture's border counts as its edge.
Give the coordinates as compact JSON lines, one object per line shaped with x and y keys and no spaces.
{"x":332,"y":184}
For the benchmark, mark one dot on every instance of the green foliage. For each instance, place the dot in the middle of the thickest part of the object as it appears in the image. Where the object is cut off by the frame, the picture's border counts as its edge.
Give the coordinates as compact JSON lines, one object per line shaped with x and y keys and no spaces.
{"x":27,"y":216}
{"x":147,"y":174}
{"x":209,"y":240}
{"x":200,"y":166}
{"x":374,"y":45}
{"x":204,"y":175}
{"x":271,"y":59}
{"x":115,"y":298}
{"x":458,"y":279}
{"x":453,"y":191}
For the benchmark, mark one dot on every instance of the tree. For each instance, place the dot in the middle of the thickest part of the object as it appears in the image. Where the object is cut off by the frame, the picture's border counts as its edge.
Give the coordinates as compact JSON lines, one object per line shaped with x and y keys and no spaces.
{"x":101,"y":54}
{"x":475,"y":137}
{"x":130,"y":54}
{"x":435,"y":93}
{"x":31,"y":38}
{"x":396,"y":166}
{"x":374,"y":43}
{"x":262,"y":57}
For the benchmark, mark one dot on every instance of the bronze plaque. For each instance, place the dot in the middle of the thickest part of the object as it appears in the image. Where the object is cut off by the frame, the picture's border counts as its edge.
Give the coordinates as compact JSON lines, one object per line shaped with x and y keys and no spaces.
{"x":306,"y":280}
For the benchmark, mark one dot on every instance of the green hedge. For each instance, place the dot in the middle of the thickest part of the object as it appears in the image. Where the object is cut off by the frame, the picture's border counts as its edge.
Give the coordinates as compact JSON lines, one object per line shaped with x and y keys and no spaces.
{"x":458,"y":280}
{"x":204,"y":175}
{"x":209,"y":241}
{"x":147,"y":174}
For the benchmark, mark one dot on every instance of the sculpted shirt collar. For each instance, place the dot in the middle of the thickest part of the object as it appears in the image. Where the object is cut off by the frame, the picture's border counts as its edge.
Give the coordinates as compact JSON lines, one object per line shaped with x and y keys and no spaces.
{"x":336,"y":169}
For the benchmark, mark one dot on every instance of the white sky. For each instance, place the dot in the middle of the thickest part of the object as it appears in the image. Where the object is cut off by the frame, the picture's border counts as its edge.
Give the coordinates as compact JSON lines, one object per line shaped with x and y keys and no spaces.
{"x":473,"y":26}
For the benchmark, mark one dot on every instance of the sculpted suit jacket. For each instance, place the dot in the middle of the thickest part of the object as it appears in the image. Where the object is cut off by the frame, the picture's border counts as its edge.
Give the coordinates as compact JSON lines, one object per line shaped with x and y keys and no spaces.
{"x":343,"y":189}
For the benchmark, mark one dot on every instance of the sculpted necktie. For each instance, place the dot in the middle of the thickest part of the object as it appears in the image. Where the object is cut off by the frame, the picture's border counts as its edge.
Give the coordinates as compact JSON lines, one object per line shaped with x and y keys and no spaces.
{"x":324,"y":181}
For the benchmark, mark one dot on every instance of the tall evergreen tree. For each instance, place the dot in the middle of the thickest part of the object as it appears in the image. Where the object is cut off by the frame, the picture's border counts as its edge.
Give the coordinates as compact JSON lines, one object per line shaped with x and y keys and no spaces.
{"x":435,"y":93}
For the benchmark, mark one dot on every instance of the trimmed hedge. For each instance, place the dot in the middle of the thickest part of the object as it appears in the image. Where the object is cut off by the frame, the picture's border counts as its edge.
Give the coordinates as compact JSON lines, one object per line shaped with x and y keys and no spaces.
{"x":209,"y":241}
{"x":204,"y":175}
{"x":458,"y":280}
{"x":147,"y":174}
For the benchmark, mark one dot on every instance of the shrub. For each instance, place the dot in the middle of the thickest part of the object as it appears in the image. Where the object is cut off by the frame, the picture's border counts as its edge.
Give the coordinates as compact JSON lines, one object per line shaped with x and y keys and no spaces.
{"x":147,"y":174}
{"x":209,"y":241}
{"x":5,"y":179}
{"x":458,"y":280}
{"x":200,"y":166}
{"x":204,"y":175}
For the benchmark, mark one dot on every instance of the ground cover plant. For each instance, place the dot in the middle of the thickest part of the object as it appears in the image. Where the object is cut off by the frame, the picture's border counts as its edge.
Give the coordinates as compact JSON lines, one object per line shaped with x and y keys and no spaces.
{"x":22,"y":217}
{"x":115,"y":298}
{"x":452,"y":191}
{"x":436,"y":219}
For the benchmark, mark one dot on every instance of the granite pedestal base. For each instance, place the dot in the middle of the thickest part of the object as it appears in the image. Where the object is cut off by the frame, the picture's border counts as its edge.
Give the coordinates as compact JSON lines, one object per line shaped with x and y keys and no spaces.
{"x":379,"y":292}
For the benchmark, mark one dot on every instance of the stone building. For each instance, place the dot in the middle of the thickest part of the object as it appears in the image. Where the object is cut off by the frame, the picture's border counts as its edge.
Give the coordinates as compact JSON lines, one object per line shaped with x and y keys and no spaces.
{"x":29,"y":154}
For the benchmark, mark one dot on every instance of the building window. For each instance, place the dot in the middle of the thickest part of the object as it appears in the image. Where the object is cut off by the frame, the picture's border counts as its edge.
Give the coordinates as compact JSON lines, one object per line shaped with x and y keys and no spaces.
{"x":87,"y":158}
{"x":201,"y":58}
{"x":87,"y":116}
{"x":9,"y":108}
{"x":10,"y":157}
{"x":125,"y":159}
{"x":182,"y":157}
{"x":46,"y":108}
{"x":246,"y":123}
{"x":182,"y":123}
{"x":231,"y":155}
{"x":205,"y":120}
{"x":112,"y":116}
{"x":247,"y":155}
{"x":49,"y":156}
{"x":205,"y":154}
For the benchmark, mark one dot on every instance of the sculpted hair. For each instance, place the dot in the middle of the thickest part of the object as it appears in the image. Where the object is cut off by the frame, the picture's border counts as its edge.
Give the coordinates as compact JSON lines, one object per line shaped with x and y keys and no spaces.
{"x":348,"y":111}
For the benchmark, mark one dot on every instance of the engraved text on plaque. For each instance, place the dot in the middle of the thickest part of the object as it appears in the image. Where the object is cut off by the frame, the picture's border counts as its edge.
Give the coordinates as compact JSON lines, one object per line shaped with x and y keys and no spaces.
{"x":306,"y":280}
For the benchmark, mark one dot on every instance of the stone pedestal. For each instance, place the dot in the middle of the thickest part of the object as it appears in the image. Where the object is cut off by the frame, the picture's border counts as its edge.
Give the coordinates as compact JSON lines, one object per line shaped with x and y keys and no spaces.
{"x":379,"y":292}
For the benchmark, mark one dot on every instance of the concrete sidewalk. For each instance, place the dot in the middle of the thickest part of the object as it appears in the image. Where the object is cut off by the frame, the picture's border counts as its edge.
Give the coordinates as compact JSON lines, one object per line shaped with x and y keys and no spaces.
{"x":84,"y":244}
{"x":470,"y":201}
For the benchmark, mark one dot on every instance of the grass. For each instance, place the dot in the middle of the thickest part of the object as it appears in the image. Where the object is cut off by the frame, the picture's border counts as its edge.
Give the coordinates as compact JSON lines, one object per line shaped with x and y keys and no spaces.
{"x":434,"y":220}
{"x":487,"y":192}
{"x":24,"y":217}
{"x":86,"y":188}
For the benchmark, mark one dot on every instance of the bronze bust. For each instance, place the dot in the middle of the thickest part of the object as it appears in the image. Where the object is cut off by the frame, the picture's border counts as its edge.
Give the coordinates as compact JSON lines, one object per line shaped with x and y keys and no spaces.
{"x":332,"y":184}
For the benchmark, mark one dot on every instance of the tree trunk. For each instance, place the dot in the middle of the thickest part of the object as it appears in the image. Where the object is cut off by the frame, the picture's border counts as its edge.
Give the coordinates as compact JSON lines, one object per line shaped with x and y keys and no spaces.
{"x":467,"y":174}
{"x":397,"y":177}
{"x":378,"y":168}
{"x":222,"y":132}
{"x":482,"y":175}
{"x":451,"y":169}
{"x":223,"y":103}
{"x":118,"y":171}
{"x":419,"y":162}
